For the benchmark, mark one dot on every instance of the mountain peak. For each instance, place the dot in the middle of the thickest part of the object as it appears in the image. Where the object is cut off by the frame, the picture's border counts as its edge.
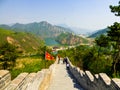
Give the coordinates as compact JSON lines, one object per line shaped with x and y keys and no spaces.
{"x":44,"y":22}
{"x":17,"y":24}
{"x":43,"y":29}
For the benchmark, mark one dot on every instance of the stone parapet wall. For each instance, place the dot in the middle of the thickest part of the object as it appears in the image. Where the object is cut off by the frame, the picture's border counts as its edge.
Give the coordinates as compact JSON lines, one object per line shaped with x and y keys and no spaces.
{"x":30,"y":78}
{"x":5,"y":79}
{"x":18,"y":82}
{"x":27,"y":81}
{"x":41,"y":80}
{"x":94,"y":82}
{"x":47,"y":76}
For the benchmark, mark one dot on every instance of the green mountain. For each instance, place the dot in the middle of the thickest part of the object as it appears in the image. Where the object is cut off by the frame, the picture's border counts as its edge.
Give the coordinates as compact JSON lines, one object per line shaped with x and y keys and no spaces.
{"x":25,"y":42}
{"x":98,"y":33}
{"x":71,"y":39}
{"x":52,"y":34}
{"x":43,"y":29}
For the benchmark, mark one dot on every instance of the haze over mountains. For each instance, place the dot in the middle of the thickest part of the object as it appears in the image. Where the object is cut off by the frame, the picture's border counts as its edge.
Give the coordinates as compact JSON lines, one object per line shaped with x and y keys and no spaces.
{"x":86,"y":32}
{"x":76,"y":30}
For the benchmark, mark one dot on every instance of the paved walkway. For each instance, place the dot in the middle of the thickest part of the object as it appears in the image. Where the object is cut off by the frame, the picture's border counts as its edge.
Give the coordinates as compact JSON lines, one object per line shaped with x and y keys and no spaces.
{"x":63,"y":80}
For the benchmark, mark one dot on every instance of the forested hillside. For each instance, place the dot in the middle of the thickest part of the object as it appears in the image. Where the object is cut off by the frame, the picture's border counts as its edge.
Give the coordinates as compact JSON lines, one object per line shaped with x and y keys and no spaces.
{"x":99,"y":32}
{"x":71,"y":39}
{"x":25,"y":42}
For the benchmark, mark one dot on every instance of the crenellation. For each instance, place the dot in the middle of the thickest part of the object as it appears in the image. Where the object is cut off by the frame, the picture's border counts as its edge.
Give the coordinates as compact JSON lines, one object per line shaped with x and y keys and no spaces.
{"x":89,"y":80}
{"x":78,"y":69}
{"x":116,"y":83}
{"x":89,"y":75}
{"x":82,"y":73}
{"x":96,"y":76}
{"x":105,"y":78}
{"x":41,"y":80}
{"x":94,"y":82}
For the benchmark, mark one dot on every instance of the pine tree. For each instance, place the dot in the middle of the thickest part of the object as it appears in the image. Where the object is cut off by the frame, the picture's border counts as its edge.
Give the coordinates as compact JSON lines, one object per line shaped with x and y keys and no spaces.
{"x":115,"y":9}
{"x":101,"y":41}
{"x":8,"y":55}
{"x":114,"y":35}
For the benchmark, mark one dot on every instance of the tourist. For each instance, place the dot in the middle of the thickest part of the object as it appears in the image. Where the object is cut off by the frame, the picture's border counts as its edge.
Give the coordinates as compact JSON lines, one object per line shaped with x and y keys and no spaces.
{"x":58,"y":59}
{"x":66,"y":61}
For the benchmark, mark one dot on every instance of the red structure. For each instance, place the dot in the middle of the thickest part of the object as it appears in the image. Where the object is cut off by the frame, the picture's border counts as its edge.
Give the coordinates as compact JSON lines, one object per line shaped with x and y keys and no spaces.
{"x":48,"y":56}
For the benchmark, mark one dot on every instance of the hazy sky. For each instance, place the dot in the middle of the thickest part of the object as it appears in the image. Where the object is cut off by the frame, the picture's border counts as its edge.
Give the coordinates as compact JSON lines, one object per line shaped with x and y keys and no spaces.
{"x":87,"y":14}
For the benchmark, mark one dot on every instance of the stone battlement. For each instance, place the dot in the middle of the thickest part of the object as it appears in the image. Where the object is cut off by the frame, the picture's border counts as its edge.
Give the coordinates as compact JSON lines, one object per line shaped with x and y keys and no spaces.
{"x":26,"y":81}
{"x":5,"y":79}
{"x":94,"y":82}
{"x":41,"y":79}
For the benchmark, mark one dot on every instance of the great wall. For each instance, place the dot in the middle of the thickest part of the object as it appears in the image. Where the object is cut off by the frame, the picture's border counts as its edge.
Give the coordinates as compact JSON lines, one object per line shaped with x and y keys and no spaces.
{"x":42,"y":80}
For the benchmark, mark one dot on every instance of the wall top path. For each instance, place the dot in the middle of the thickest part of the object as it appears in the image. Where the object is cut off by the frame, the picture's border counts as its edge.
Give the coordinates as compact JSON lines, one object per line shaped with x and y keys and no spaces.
{"x":63,"y":80}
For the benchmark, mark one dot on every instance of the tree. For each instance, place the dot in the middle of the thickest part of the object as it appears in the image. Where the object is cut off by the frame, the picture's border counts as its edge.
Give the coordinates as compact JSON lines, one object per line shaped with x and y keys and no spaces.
{"x":8,"y":55}
{"x":115,"y":9}
{"x":114,"y":36}
{"x":101,"y":41}
{"x":42,"y":49}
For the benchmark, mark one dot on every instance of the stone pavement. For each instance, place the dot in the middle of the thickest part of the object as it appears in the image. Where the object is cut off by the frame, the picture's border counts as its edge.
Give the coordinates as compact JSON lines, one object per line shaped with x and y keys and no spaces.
{"x":63,"y":80}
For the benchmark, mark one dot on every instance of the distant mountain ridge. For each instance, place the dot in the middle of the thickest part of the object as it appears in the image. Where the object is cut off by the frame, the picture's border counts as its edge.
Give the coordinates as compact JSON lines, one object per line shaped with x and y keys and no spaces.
{"x":52,"y":34}
{"x":43,"y":29}
{"x":99,"y":32}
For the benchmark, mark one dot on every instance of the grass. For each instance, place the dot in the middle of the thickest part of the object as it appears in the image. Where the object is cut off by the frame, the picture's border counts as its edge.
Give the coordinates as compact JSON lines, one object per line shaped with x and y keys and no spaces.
{"x":29,"y":64}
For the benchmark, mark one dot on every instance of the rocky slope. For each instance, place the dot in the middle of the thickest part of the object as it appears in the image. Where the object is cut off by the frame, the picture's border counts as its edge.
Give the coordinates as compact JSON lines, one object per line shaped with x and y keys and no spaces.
{"x":25,"y":42}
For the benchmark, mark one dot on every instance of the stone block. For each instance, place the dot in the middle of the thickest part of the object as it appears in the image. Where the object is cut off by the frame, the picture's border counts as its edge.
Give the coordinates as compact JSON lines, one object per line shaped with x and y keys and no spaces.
{"x":104,"y":82}
{"x":5,"y":79}
{"x":89,"y":75}
{"x":105,"y":78}
{"x":116,"y":83}
{"x":18,"y":82}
